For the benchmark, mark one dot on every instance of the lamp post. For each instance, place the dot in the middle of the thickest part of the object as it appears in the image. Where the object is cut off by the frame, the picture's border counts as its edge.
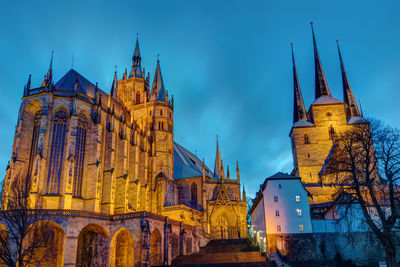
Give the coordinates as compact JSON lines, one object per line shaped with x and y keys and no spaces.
{"x":283,"y":250}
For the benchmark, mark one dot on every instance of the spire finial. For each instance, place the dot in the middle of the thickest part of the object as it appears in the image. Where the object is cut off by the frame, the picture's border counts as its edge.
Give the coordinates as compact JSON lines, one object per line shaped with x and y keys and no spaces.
{"x":321,"y":84}
{"x":351,"y":107}
{"x":362,"y":113}
{"x":158,"y":57}
{"x":218,"y":169}
{"x":136,"y":61}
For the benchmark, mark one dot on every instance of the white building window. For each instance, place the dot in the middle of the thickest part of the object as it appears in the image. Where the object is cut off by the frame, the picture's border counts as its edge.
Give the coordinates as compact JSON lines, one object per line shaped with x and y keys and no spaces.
{"x":301,"y":227}
{"x":277,"y":213}
{"x":297,"y":198}
{"x":275,"y":198}
{"x":298,"y":212}
{"x":278,"y":228}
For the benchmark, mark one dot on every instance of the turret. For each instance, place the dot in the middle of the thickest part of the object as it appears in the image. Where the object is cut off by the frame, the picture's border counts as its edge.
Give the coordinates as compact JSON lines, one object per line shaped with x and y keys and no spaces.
{"x":244,"y":195}
{"x":113,"y":91}
{"x":136,"y":62}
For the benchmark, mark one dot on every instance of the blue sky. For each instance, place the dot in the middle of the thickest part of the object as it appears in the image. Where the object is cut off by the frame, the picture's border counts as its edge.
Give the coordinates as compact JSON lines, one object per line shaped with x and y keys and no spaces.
{"x":227,"y":63}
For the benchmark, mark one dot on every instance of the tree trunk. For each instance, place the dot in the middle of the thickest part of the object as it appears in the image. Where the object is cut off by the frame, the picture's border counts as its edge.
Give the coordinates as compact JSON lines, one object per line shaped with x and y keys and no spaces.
{"x":391,"y":256}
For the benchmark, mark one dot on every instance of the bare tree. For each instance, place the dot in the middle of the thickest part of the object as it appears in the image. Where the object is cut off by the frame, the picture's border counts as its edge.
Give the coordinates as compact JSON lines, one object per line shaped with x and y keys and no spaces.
{"x":26,"y":239}
{"x":364,"y":164}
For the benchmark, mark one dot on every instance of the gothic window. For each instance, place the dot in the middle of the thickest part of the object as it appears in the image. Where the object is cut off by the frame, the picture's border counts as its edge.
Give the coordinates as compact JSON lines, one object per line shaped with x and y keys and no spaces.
{"x":306,"y":139}
{"x":57,"y":151}
{"x":137,"y":98}
{"x":193,"y":190}
{"x":160,"y":112}
{"x":80,"y":153}
{"x":278,"y":228}
{"x":301,"y":227}
{"x":275,"y":198}
{"x":331,"y":132}
{"x":277,"y":213}
{"x":35,"y":139}
{"x":150,"y":112}
{"x":297,"y":198}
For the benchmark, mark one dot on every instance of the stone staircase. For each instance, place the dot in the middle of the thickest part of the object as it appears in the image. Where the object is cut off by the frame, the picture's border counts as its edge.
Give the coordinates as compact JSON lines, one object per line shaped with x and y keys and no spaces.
{"x":221,"y":253}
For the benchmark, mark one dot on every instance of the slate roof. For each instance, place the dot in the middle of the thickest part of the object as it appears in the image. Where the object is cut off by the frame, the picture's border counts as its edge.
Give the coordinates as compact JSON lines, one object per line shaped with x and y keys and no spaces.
{"x":67,"y":83}
{"x":187,"y":165}
{"x":355,"y":120}
{"x":326,"y":100}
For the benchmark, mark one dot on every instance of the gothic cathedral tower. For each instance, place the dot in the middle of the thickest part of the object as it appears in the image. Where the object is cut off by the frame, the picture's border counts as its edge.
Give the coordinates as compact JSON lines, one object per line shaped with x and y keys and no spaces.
{"x":312,"y":132}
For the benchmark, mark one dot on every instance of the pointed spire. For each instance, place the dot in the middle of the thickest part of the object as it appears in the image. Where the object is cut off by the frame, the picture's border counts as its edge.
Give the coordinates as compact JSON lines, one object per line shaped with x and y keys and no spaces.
{"x":113,"y":90}
{"x":48,"y":78}
{"x":136,"y":62}
{"x":244,"y":195}
{"x":218,"y":162}
{"x":321,"y":85}
{"x":237,"y":171}
{"x":27,"y":86}
{"x":227,"y":172}
{"x":158,"y":90}
{"x":348,"y":97}
{"x":299,"y":109}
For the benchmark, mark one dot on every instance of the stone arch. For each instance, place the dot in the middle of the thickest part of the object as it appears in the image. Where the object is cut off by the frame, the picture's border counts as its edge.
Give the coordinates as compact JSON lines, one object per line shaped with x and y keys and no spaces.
{"x":223,"y":223}
{"x":156,"y":248}
{"x":189,"y":245}
{"x":30,"y":132}
{"x":121,"y":249}
{"x":93,"y":246}
{"x":174,"y":246}
{"x":49,"y":249}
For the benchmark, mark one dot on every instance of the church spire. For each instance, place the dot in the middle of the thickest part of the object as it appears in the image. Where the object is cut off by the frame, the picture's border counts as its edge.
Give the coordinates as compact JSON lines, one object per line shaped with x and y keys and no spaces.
{"x":299,"y":109}
{"x":218,"y":163}
{"x":113,"y":91}
{"x":321,"y":85}
{"x":348,"y":97}
{"x":48,"y":78}
{"x":136,"y":62}
{"x":158,"y":90}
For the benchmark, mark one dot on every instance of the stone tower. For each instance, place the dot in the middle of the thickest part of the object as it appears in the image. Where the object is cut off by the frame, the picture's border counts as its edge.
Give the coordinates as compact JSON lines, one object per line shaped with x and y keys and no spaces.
{"x":312,"y":132}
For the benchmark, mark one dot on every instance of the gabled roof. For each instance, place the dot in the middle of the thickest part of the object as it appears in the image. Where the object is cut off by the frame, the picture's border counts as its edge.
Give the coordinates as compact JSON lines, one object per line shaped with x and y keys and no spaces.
{"x":326,"y":100}
{"x":281,"y":175}
{"x":67,"y":83}
{"x":187,"y":165}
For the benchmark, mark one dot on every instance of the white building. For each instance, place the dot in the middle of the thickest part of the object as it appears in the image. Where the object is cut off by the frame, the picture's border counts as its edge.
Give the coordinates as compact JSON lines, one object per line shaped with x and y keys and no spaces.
{"x":281,"y":207}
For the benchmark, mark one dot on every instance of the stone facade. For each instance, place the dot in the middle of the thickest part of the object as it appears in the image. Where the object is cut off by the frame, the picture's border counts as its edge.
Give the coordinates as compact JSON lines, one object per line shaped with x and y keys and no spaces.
{"x":107,"y":167}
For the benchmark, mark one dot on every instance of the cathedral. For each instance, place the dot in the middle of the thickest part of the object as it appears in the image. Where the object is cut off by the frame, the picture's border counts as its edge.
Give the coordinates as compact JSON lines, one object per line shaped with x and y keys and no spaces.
{"x":112,"y":182}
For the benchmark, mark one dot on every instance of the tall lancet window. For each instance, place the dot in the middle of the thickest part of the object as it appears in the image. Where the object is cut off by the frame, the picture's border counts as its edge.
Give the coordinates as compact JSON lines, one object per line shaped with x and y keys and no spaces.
{"x":80,"y":153}
{"x":57,"y":151}
{"x":193,"y":190}
{"x":35,"y":140}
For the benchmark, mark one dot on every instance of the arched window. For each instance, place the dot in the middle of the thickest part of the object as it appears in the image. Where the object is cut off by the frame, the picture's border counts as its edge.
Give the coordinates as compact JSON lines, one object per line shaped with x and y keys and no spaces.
{"x":137,"y":98}
{"x":57,"y":151}
{"x":80,"y":153}
{"x":306,"y":139}
{"x":193,"y":191}
{"x":331,"y":132}
{"x":35,"y":139}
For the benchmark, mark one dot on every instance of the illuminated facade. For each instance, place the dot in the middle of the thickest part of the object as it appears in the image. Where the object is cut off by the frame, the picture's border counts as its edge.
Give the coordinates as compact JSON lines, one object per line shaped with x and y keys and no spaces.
{"x":115,"y":183}
{"x":313,"y":130}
